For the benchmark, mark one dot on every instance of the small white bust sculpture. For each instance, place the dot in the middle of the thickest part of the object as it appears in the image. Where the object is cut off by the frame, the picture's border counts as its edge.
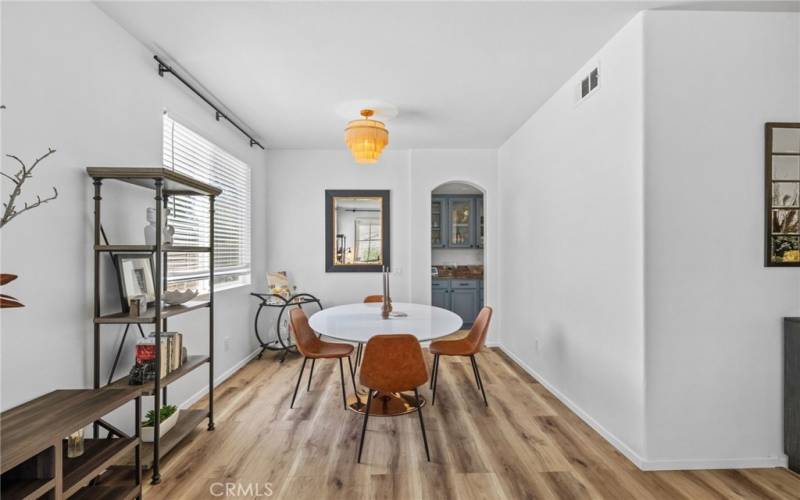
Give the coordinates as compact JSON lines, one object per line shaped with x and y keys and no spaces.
{"x":167,"y":231}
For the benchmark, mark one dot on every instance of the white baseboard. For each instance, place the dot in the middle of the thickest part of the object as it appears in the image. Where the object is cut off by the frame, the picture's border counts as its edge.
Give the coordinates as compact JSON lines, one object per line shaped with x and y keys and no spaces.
{"x":722,"y":463}
{"x":194,"y":398}
{"x":640,"y":462}
{"x":607,"y":435}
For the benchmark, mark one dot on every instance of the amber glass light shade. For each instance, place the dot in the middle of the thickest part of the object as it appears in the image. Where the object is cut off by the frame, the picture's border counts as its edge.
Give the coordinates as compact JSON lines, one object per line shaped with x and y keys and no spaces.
{"x":366,"y":138}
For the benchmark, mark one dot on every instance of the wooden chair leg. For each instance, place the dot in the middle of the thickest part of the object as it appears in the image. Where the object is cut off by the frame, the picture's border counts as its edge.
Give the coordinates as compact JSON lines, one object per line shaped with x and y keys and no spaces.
{"x":422,"y":425}
{"x":310,"y":374}
{"x":364,"y":427}
{"x":478,"y":378}
{"x":299,"y":378}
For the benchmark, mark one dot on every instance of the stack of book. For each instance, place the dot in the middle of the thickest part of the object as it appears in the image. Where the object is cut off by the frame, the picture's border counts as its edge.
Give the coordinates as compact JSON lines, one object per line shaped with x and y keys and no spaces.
{"x":171,"y":351}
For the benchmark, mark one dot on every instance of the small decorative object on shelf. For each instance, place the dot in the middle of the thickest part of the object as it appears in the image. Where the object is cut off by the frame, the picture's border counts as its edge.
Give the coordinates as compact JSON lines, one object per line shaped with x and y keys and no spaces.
{"x":178,"y":297}
{"x":75,"y":444}
{"x":142,"y":372}
{"x":167,"y":231}
{"x":278,"y":284}
{"x":168,"y":417}
{"x":137,"y":306}
{"x":136,"y":277}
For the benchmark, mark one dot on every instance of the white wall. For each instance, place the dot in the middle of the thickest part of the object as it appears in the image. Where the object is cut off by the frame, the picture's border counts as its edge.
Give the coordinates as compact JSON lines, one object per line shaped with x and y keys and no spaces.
{"x":74,"y":80}
{"x":295,"y":216}
{"x":457,"y":256}
{"x":570,"y":189}
{"x":714,"y":334}
{"x":643,"y":282}
{"x":295,"y":220}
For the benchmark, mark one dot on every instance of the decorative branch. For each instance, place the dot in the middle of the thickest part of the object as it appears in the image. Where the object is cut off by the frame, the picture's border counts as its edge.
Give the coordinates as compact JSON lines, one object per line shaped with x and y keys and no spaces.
{"x":24,"y":173}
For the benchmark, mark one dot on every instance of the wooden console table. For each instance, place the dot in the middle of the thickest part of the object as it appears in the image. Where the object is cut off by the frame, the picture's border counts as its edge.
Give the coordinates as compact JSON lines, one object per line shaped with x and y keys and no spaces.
{"x":34,"y":450}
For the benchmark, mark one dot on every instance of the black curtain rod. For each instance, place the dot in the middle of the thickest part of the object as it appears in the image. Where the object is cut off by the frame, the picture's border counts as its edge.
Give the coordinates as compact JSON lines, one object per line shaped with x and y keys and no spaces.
{"x":166,"y":68}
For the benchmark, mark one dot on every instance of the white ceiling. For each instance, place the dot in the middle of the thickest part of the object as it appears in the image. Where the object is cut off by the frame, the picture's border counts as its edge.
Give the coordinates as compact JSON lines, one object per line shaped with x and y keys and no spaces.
{"x":464,"y":75}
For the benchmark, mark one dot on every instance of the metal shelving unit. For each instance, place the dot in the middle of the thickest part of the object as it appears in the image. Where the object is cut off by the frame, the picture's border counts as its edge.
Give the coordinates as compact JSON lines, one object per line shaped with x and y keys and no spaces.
{"x":165,"y":183}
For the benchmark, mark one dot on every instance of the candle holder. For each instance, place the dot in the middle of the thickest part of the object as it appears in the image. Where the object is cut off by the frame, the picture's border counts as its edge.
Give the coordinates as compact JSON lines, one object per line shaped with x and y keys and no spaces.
{"x":75,"y":444}
{"x":386,"y":310}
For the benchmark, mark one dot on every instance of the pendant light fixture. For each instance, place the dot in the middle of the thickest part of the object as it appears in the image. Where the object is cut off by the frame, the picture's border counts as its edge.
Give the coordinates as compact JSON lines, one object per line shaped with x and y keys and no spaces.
{"x":366,"y":138}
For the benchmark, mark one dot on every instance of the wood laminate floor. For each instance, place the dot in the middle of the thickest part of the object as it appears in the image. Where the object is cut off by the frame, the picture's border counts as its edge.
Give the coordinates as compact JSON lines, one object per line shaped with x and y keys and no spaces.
{"x":525,"y":445}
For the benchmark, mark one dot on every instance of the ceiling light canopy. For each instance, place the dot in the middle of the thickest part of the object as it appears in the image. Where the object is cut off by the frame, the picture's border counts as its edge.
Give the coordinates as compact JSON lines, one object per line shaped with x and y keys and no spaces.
{"x":366,"y":138}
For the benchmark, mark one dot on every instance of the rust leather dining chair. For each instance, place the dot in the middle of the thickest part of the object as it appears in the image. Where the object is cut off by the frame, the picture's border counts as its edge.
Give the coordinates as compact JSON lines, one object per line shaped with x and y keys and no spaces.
{"x":369,"y":299}
{"x":393,"y":363}
{"x":468,"y":346}
{"x":313,"y":348}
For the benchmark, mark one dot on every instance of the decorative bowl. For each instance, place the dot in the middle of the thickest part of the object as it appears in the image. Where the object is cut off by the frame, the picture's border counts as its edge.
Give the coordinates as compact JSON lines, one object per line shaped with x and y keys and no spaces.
{"x":176,"y":297}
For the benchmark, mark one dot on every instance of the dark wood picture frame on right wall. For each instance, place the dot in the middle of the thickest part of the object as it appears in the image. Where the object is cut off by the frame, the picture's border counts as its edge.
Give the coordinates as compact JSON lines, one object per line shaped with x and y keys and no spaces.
{"x":782,"y":194}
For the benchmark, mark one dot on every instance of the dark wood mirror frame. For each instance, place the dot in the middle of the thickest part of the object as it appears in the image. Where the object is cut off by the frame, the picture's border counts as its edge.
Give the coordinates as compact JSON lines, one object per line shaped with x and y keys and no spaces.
{"x":330,"y":230}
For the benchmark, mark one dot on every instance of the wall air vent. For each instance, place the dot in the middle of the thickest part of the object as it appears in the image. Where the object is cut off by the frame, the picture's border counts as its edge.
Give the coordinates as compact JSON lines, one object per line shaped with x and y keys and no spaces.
{"x":588,"y":84}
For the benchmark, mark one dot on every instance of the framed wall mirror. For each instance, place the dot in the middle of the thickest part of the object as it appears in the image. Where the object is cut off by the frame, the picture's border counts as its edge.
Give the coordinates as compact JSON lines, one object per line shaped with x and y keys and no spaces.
{"x":357,"y":231}
{"x":782,"y":195}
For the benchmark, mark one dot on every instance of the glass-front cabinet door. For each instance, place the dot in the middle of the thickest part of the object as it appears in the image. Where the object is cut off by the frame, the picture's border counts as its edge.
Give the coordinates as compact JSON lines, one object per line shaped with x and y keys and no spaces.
{"x":438,"y":224}
{"x":461,"y":227}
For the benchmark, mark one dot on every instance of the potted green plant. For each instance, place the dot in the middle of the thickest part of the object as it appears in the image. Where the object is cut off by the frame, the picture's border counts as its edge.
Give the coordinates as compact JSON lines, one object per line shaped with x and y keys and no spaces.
{"x":168,"y":417}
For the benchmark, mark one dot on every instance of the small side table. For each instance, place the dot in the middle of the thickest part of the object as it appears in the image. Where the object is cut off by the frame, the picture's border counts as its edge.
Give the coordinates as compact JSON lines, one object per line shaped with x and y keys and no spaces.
{"x":282,"y":341}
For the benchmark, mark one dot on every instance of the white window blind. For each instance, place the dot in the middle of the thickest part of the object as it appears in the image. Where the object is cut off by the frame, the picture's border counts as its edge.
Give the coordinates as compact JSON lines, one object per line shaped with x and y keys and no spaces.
{"x":189,"y":153}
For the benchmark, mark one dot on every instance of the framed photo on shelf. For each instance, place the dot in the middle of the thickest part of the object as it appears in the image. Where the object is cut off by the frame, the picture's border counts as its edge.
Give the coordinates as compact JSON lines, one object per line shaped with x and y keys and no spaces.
{"x":782,"y":195}
{"x":136,"y":278}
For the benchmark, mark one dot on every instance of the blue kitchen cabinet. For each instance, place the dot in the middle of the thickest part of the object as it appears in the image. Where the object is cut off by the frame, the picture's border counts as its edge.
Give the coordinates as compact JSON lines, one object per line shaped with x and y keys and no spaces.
{"x":457,"y":221}
{"x":461,"y":222}
{"x":462,"y":296}
{"x":440,"y":294}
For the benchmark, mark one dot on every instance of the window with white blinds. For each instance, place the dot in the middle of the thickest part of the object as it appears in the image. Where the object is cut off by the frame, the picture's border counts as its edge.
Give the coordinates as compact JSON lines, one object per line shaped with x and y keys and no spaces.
{"x":191,"y":154}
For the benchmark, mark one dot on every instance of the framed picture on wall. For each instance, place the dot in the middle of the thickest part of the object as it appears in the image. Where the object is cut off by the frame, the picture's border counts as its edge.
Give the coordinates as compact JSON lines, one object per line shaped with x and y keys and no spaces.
{"x":782,"y":195}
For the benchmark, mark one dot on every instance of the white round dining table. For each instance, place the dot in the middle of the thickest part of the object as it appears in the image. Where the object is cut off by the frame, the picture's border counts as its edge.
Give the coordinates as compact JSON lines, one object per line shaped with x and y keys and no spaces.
{"x":360,"y":322}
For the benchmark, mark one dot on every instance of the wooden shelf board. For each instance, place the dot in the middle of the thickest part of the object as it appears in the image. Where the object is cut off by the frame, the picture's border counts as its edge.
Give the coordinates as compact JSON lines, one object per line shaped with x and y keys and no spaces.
{"x":38,"y":424}
{"x":174,"y":183}
{"x":187,"y":422}
{"x":19,"y":489}
{"x":150,"y":249}
{"x":122,"y":318}
{"x":98,"y":455}
{"x":118,"y":474}
{"x":108,"y":492}
{"x":148,"y":389}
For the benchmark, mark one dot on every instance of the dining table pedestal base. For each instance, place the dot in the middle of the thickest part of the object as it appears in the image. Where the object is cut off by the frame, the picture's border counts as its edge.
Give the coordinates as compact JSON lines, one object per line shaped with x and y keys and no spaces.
{"x":385,"y":404}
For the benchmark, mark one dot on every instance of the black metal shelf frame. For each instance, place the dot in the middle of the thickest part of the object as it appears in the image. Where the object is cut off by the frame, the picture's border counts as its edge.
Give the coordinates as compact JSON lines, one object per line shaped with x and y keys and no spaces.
{"x":161,"y":198}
